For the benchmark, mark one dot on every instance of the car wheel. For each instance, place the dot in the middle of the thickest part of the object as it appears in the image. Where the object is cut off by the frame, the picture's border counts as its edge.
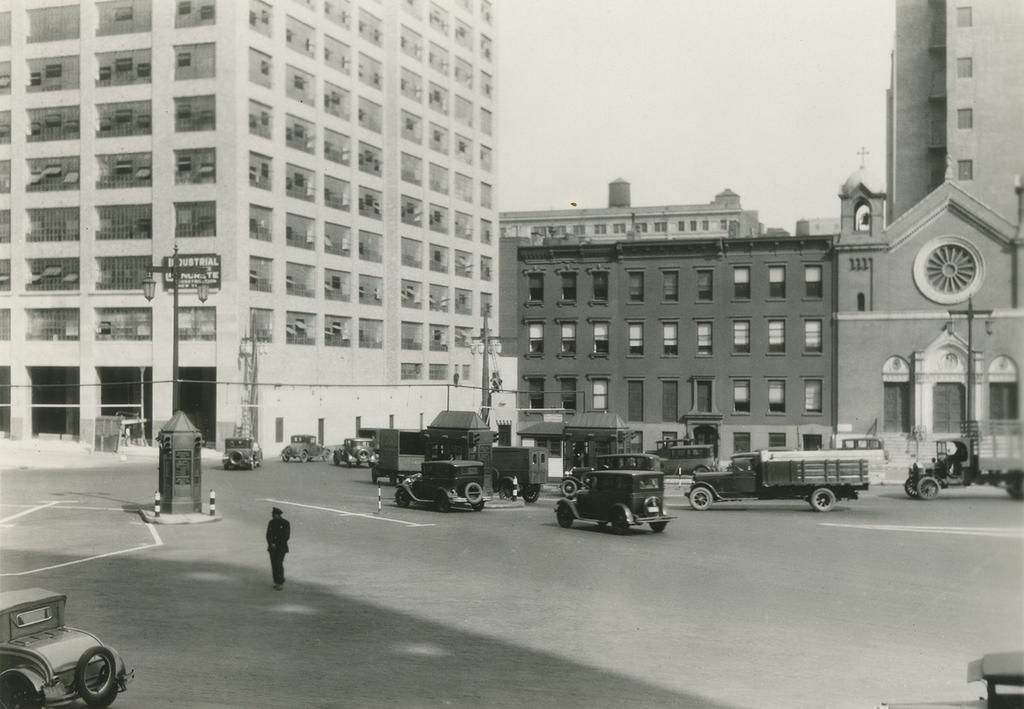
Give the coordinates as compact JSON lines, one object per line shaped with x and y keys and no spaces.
{"x":822,"y":499}
{"x":569,"y":487}
{"x":564,"y":516}
{"x":701,"y":498}
{"x":285,"y":458}
{"x":658,"y":526}
{"x":304,"y":456}
{"x":928,"y":488}
{"x":910,"y":488}
{"x":531,"y":493}
{"x":443,"y":503}
{"x":16,"y":691}
{"x":619,"y":521}
{"x":97,"y":688}
{"x":402,"y":498}
{"x":505,"y":489}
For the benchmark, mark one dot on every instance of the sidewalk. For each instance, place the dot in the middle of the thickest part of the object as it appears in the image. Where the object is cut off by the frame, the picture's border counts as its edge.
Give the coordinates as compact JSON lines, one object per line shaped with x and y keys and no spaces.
{"x":36,"y":453}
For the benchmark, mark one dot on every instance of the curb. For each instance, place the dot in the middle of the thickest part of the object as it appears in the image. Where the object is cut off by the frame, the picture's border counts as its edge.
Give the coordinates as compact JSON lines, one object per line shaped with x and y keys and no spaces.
{"x":170,"y":518}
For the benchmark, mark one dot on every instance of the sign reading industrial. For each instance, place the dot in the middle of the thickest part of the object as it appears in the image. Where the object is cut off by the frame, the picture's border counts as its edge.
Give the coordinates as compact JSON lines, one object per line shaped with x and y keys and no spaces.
{"x":193,"y":269}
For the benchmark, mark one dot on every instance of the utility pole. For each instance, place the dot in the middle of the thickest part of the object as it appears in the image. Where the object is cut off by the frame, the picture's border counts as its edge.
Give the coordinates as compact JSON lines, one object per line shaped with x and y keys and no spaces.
{"x":486,"y":341}
{"x":970,"y":314}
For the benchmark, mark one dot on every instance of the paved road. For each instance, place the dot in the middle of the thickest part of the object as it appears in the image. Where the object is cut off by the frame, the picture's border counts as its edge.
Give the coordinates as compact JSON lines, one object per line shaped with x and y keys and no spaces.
{"x":745,"y":605}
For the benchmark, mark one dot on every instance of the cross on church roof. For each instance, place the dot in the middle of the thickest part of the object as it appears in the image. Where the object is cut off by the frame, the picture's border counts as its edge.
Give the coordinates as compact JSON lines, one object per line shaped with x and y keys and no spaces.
{"x":863,"y":152}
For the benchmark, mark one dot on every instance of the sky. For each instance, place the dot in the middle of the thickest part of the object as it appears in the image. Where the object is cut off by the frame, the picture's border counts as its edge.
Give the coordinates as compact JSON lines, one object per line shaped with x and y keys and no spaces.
{"x":683,"y":98}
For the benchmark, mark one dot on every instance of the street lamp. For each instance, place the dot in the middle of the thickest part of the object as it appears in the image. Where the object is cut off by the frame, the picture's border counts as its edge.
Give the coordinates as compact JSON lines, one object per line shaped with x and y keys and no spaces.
{"x":175,"y":271}
{"x":970,"y":314}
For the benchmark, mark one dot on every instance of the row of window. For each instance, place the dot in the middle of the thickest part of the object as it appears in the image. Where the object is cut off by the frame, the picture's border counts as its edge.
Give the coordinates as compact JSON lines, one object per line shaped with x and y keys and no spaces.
{"x":600,"y":340}
{"x":121,"y":324}
{"x":636,"y":287}
{"x":52,"y":24}
{"x":118,"y":170}
{"x":439,"y":16}
{"x":682,"y":226}
{"x":771,"y":396}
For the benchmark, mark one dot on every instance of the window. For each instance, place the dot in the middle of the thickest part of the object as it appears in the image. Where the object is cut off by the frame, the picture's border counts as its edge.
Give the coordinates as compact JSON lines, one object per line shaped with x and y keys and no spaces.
{"x":635,"y":400}
{"x":197,"y":323}
{"x":812,"y":336}
{"x":52,"y":74}
{"x":412,"y":336}
{"x":535,"y":286}
{"x":195,"y":167}
{"x":636,"y":287}
{"x":636,"y":338}
{"x":411,"y":211}
{"x":299,"y":183}
{"x":777,"y":440}
{"x":370,"y":71}
{"x":412,"y":127}
{"x":56,"y":123}
{"x":704,"y":339}
{"x":370,"y":246}
{"x":776,"y":336}
{"x":438,"y":138}
{"x":567,"y":386}
{"x":260,"y":119}
{"x":121,"y":119}
{"x":370,"y":158}
{"x":599,"y":394}
{"x":261,"y":274}
{"x":601,"y":342}
{"x":812,"y":281}
{"x":964,"y":17}
{"x":125,"y":170}
{"x":463,"y":264}
{"x":195,"y":219}
{"x":260,"y":222}
{"x":370,"y":27}
{"x":964,"y":67}
{"x":259,"y":16}
{"x":463,"y":225}
{"x":568,"y":338}
{"x":195,"y":61}
{"x":741,"y":396}
{"x":192,"y":113}
{"x":438,"y":338}
{"x":464,"y":112}
{"x":412,"y":253}
{"x":299,"y":328}
{"x":965,"y":169}
{"x":812,"y":396}
{"x":50,"y":24}
{"x":299,"y":134}
{"x":485,"y":231}
{"x":705,"y":286}
{"x":703,"y":390}
{"x":299,"y":36}
{"x":299,"y":86}
{"x":599,"y":280}
{"x":371,"y":290}
{"x":741,"y":336}
{"x":337,"y":331}
{"x":50,"y":174}
{"x":337,"y":55}
{"x":741,"y":441}
{"x":370,"y":115}
{"x":54,"y":224}
{"x":412,"y":294}
{"x":463,"y":186}
{"x":337,"y":193}
{"x":5,"y":279}
{"x":194,"y":13}
{"x":299,"y":231}
{"x":52,"y":324}
{"x":776,"y":281}
{"x":670,"y":338}
{"x":259,"y":171}
{"x":53,"y":274}
{"x":125,"y":221}
{"x":411,"y":370}
{"x":298,"y":280}
{"x":337,"y":148}
{"x":486,"y":269}
{"x":536,"y":337}
{"x":485,"y":46}
{"x":464,"y":151}
{"x":122,"y":272}
{"x":741,"y":282}
{"x":337,"y":239}
{"x":5,"y":127}
{"x":965,"y":118}
{"x":569,"y":286}
{"x":670,"y":286}
{"x":411,"y":43}
{"x":337,"y":101}
{"x":776,"y":396}
{"x":261,"y":322}
{"x":339,"y":12}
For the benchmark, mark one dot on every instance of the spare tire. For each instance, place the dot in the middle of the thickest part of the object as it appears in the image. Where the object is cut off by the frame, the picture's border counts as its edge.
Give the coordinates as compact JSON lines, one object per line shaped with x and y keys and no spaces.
{"x":96,"y":688}
{"x":235,"y":458}
{"x":473,"y":492}
{"x":363,"y":455}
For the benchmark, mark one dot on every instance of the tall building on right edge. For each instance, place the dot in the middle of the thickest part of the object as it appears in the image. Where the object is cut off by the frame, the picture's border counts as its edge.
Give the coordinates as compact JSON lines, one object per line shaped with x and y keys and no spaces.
{"x":956,"y":101}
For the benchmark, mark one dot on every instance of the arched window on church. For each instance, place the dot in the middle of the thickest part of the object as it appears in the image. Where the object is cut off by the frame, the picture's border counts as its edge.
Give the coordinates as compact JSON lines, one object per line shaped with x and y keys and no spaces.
{"x":862,"y":217}
{"x":860,"y":302}
{"x":1002,"y":389}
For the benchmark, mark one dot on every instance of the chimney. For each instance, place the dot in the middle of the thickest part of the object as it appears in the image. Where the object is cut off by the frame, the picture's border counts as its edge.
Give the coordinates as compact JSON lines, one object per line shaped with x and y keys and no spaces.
{"x":618,"y":193}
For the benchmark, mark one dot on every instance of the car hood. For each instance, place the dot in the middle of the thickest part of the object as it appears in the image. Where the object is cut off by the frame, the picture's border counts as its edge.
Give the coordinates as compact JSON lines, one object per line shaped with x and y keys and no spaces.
{"x":60,"y":648}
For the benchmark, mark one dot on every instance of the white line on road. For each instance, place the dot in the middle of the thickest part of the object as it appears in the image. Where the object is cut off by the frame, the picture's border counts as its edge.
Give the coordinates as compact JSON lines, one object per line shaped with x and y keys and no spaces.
{"x":157,"y":541}
{"x":29,"y":511}
{"x":1003,"y":532}
{"x":343,"y":513}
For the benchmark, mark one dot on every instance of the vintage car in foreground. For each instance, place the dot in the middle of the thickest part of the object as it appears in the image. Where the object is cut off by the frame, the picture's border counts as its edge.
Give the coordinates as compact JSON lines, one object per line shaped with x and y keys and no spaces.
{"x":303,"y":449}
{"x":444,"y":483}
{"x":242,"y":453}
{"x":355,"y":451}
{"x":45,"y":663}
{"x":623,"y":498}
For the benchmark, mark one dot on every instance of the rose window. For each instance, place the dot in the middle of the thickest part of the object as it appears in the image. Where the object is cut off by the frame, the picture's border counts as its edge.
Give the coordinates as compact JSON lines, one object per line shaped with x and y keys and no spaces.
{"x":950,"y":268}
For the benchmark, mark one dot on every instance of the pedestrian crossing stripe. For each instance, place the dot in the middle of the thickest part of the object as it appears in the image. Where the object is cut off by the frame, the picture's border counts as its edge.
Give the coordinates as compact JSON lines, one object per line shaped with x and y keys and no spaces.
{"x":1001,"y":532}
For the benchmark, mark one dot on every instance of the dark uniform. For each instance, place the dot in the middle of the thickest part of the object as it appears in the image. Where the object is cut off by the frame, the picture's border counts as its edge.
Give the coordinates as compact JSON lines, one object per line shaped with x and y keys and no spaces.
{"x":278,"y":532}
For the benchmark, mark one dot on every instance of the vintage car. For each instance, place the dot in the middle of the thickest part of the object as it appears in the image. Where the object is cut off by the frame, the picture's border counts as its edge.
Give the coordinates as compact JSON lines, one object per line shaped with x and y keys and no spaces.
{"x":684,"y":457}
{"x":356,"y":451}
{"x":444,"y":483}
{"x":623,"y":498}
{"x":46,"y":663}
{"x":304,"y":448}
{"x":242,"y":453}
{"x":610,"y":461}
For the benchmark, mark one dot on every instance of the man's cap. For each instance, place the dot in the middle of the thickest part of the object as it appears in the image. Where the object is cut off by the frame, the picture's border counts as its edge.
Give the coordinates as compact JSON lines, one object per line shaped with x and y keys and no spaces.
{"x":276,"y":511}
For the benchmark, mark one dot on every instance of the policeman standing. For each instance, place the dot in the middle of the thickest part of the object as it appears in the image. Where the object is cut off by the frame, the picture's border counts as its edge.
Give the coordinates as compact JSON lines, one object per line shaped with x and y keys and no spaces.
{"x":278,"y":532}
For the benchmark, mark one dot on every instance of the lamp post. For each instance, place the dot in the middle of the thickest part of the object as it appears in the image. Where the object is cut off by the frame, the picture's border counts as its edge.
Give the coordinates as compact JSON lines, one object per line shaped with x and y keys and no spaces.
{"x":970,"y":314}
{"x":175,"y":271}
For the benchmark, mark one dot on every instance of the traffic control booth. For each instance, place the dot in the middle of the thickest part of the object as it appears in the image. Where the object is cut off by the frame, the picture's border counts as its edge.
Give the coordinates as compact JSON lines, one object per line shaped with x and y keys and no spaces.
{"x":181,"y":469}
{"x":592,"y":434}
{"x":460,"y":435}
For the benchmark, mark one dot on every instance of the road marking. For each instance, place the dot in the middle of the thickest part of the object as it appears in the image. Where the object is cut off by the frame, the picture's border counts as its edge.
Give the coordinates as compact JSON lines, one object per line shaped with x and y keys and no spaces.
{"x":1002,"y":532}
{"x":29,"y":511}
{"x":343,"y":513}
{"x":157,"y":541}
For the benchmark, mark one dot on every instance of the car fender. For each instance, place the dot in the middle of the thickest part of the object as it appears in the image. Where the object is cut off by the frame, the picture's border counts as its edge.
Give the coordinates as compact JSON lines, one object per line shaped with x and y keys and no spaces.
{"x":624,"y":508}
{"x":30,"y":674}
{"x":709,"y":486}
{"x":570,"y":504}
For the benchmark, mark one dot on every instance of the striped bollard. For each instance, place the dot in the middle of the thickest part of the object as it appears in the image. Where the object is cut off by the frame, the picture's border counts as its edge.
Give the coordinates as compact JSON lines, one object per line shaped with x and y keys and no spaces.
{"x":515,"y":487}
{"x":213,"y":502}
{"x":378,"y":499}
{"x":156,"y":504}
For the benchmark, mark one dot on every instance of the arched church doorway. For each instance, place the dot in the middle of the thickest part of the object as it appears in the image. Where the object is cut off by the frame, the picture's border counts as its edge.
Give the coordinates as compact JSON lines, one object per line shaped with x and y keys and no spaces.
{"x":948,"y":406}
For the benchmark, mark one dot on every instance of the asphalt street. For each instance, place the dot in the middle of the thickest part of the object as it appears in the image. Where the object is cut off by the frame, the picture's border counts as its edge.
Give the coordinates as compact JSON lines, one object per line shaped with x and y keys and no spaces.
{"x":760,"y":604}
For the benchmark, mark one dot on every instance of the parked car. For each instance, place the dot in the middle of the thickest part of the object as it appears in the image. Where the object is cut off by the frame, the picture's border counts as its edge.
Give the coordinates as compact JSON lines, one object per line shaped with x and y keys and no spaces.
{"x":444,"y":483}
{"x":242,"y":453}
{"x":356,"y":451}
{"x":623,"y":498}
{"x":610,"y":461}
{"x":680,"y":458}
{"x":45,"y":663}
{"x":526,"y":466}
{"x":303,"y":449}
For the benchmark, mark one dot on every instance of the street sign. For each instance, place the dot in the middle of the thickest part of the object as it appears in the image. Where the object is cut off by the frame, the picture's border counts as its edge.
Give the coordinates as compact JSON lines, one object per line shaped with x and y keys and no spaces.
{"x":193,"y":269}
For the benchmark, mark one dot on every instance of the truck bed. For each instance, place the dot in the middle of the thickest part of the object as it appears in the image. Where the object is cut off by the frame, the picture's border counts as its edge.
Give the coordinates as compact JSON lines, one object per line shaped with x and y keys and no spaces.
{"x":816,"y":472}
